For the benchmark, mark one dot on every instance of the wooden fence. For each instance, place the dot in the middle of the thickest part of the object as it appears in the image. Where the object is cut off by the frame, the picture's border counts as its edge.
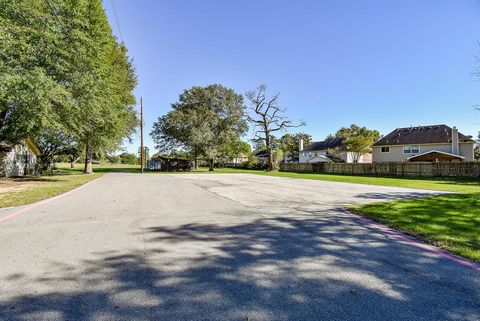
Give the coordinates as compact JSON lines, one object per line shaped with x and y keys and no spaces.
{"x":461,"y":169}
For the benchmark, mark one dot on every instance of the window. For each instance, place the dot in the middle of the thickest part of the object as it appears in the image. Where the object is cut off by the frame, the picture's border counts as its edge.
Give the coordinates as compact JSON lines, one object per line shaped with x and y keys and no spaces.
{"x":411,"y":149}
{"x":385,"y":149}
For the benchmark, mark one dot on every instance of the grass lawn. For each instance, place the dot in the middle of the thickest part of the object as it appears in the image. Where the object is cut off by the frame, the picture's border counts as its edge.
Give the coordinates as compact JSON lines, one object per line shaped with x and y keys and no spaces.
{"x":26,"y":190}
{"x":451,"y":222}
{"x":98,"y":168}
{"x":21,"y":191}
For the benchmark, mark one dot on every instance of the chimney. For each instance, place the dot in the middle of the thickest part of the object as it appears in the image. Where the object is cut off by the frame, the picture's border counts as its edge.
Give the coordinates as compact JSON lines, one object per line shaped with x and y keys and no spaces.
{"x":300,"y":145}
{"x":455,"y":141}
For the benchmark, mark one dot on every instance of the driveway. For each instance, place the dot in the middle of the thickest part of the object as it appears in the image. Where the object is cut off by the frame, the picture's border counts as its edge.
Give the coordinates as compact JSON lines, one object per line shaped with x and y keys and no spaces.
{"x":221,"y":247}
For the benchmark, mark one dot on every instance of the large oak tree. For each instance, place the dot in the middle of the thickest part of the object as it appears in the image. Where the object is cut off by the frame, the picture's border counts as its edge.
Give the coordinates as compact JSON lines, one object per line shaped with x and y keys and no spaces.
{"x":202,"y":121}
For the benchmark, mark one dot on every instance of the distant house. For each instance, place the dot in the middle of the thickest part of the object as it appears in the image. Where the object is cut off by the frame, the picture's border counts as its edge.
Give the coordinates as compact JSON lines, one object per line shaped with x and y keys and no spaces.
{"x":170,"y":164}
{"x":18,"y":159}
{"x":242,"y":158}
{"x":432,"y":143}
{"x":261,"y":155}
{"x":331,"y":149}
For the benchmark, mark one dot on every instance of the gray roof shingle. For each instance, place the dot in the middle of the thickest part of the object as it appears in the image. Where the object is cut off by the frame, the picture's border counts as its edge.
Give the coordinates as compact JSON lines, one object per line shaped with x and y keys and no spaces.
{"x":432,"y":134}
{"x":324,"y":145}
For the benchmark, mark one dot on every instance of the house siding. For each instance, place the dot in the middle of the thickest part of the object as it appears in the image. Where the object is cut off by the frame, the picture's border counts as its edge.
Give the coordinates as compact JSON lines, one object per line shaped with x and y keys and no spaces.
{"x":467,"y":150}
{"x":303,"y":157}
{"x":20,"y":161}
{"x":396,"y":152}
{"x":345,"y":156}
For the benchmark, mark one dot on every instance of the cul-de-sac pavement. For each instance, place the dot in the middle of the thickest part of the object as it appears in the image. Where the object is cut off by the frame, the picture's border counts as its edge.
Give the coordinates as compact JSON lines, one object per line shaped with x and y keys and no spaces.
{"x":221,"y":247}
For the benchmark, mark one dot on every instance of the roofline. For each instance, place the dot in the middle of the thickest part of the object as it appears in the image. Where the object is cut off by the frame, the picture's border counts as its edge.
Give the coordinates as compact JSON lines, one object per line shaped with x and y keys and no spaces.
{"x":408,"y":127}
{"x":469,"y":140}
{"x":423,"y":144}
{"x":436,"y":151}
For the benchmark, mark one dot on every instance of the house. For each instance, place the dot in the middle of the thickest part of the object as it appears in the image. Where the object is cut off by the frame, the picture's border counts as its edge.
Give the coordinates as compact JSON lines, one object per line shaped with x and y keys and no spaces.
{"x":331,"y":149}
{"x":432,"y":143}
{"x":261,"y":155}
{"x":170,"y":164}
{"x":242,"y":158}
{"x":18,"y":159}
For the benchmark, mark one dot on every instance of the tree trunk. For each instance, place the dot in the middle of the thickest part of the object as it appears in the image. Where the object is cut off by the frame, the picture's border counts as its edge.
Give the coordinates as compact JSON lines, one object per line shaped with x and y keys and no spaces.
{"x":73,"y":161}
{"x":211,"y":169}
{"x":268,"y":143}
{"x":195,"y":161}
{"x":88,"y":159}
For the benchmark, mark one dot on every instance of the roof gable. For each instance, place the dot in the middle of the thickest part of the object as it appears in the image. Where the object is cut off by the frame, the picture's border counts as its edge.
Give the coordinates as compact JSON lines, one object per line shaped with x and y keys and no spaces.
{"x":432,"y":134}
{"x":260,"y":153}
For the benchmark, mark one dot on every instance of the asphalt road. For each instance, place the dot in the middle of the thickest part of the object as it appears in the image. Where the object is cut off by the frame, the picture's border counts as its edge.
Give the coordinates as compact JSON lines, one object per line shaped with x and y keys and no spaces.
{"x":221,"y":247}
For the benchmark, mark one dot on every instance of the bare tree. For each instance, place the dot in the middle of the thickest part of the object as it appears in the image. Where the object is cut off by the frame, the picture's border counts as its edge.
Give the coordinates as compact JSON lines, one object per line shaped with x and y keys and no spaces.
{"x":269,"y":118}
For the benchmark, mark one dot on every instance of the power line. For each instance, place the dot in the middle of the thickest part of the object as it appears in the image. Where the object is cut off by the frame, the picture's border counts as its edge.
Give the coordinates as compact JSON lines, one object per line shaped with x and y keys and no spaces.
{"x":116,"y":20}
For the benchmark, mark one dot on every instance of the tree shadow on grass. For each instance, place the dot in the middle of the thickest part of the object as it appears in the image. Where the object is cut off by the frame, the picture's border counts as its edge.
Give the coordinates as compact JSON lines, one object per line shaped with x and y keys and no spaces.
{"x":452,"y":220}
{"x":396,"y":195}
{"x":276,"y":268}
{"x":30,"y":179}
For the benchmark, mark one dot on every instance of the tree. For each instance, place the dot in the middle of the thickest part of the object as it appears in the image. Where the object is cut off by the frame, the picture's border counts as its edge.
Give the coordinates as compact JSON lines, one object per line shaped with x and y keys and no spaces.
{"x":100,"y":77}
{"x":73,"y":151}
{"x":52,"y":143}
{"x":32,"y":94}
{"x":114,"y":159}
{"x":477,"y":149}
{"x":202,"y":121}
{"x":290,"y":144}
{"x":235,"y":149}
{"x":268,"y":119}
{"x":357,"y":140}
{"x":61,"y":68}
{"x":128,"y":158}
{"x":146,"y":154}
{"x":258,"y":144}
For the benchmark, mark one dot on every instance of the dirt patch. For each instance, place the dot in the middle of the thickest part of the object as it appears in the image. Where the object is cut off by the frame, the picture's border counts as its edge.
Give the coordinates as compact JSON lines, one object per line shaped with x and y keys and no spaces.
{"x":12,"y":185}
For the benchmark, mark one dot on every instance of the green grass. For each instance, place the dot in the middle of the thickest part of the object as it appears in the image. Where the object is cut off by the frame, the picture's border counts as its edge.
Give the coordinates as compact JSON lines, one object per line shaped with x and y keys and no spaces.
{"x":98,"y":168}
{"x":26,"y":190}
{"x":32,"y":189}
{"x":451,"y":222}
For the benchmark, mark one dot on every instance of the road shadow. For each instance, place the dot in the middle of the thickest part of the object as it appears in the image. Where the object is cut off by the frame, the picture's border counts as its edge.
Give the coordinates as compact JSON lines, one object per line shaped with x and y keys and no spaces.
{"x":276,"y":268}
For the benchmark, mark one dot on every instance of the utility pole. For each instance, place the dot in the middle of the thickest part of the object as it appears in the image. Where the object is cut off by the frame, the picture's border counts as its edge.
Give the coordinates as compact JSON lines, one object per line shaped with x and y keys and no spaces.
{"x":142,"y":149}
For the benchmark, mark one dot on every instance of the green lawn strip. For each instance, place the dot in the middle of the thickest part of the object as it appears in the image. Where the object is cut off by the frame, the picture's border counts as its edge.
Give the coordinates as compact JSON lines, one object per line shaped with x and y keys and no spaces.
{"x":42,"y":188}
{"x":451,"y":222}
{"x":98,"y":168}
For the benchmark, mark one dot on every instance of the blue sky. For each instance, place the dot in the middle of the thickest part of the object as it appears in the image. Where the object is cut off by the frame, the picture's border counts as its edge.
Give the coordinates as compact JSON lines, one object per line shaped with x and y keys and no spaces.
{"x":382,"y":64}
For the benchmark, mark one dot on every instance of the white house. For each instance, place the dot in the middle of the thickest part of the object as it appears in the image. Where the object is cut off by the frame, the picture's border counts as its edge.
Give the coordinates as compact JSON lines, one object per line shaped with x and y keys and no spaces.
{"x":18,"y":159}
{"x":331,"y":149}
{"x":431,"y":143}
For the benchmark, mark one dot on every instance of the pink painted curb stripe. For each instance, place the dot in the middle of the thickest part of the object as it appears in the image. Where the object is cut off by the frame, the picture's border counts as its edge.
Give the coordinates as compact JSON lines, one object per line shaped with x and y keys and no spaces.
{"x":413,"y":242}
{"x":45,"y":201}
